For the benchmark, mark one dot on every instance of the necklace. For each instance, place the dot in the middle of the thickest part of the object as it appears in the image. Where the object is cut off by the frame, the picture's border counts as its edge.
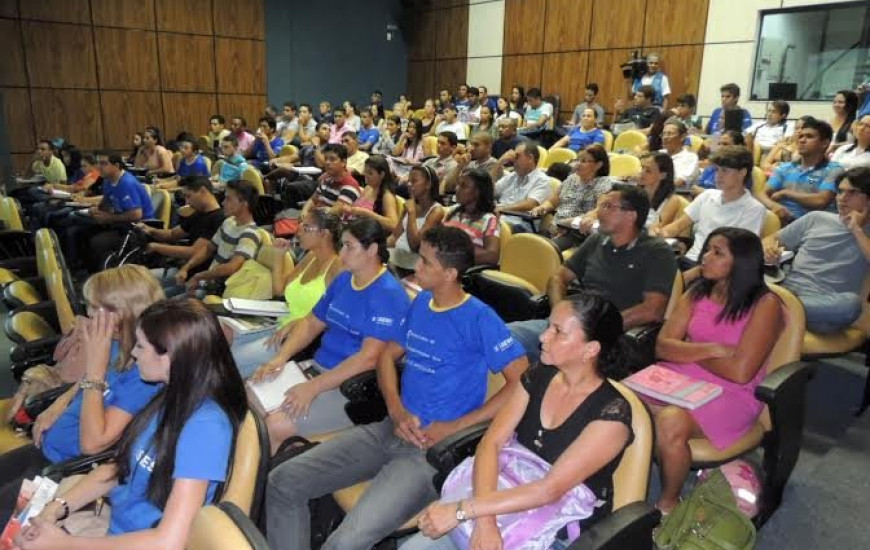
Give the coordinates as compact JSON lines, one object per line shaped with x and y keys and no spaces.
{"x":537,"y":442}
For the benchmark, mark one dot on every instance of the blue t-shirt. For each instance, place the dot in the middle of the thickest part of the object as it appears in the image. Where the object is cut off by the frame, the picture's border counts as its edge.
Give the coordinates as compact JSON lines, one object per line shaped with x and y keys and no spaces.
{"x":713,"y":125}
{"x":447,"y":355}
{"x":580,"y":140}
{"x":232,"y":168}
{"x":791,"y":175}
{"x":259,"y":150}
{"x":126,"y":391}
{"x":197,"y":168}
{"x":352,"y":315}
{"x":202,"y":452}
{"x":707,"y":179}
{"x":128,"y":194}
{"x":369,"y":135}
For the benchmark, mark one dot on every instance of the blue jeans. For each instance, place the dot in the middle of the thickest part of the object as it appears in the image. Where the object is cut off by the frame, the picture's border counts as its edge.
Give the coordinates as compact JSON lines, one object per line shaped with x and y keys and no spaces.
{"x":401,"y":486}
{"x":528,"y":334}
{"x":827,"y":313}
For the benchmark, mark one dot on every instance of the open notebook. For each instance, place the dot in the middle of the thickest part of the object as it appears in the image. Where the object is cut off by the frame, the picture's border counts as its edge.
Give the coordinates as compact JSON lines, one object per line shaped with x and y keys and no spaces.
{"x":266,"y":308}
{"x":672,"y":387}
{"x":267,"y":395}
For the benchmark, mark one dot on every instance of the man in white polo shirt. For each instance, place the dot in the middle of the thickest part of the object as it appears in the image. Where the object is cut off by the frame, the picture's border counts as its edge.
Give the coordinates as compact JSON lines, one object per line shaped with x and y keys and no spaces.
{"x":731,"y":204}
{"x":685,"y":161}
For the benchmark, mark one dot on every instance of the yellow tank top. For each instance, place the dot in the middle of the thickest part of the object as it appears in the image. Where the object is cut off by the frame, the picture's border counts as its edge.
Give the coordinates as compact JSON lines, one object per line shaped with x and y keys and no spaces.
{"x":302,"y":297}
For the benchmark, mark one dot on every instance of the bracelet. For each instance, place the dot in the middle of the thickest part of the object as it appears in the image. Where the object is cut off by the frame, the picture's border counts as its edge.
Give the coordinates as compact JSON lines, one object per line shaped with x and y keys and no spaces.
{"x":64,"y":506}
{"x":93,"y":385}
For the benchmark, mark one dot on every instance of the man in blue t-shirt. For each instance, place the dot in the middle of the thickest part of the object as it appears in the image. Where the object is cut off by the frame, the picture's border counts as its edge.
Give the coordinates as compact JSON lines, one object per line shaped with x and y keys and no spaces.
{"x":730,"y":95}
{"x":451,"y":342}
{"x":268,"y":144}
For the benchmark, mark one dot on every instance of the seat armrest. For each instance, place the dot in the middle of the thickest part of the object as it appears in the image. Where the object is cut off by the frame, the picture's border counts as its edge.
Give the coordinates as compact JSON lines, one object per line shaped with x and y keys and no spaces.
{"x":783,"y":382}
{"x":448,"y":453}
{"x":35,"y":352}
{"x":361,"y":387}
{"x":78,"y":465}
{"x":629,"y":528}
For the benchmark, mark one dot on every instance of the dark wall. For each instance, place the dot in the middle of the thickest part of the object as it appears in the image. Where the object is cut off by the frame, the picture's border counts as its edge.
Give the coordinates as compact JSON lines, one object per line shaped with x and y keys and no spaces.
{"x":333,"y":50}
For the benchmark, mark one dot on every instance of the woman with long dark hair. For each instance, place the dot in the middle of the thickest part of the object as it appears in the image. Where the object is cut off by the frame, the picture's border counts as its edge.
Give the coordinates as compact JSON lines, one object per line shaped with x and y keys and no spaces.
{"x":377,"y":200}
{"x":475,"y":214}
{"x":845,"y":108}
{"x":153,"y":155}
{"x":657,"y":180}
{"x":565,"y":419}
{"x":360,"y":312}
{"x":422,"y":211}
{"x":721,"y":331}
{"x":517,"y":99}
{"x":176,"y":453}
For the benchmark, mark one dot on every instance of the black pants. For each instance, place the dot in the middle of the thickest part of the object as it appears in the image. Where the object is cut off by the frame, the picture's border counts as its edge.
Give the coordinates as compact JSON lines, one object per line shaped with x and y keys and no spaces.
{"x":16,"y":466}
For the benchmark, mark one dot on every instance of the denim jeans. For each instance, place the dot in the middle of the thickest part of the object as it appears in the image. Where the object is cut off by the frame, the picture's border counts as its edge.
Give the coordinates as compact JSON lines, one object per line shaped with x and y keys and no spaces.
{"x":528,"y":334}
{"x":827,"y":313}
{"x":401,"y":486}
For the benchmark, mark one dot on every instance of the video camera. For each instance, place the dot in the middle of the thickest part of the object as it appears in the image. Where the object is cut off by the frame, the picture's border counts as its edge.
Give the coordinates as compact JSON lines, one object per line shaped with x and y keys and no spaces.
{"x":635,"y":67}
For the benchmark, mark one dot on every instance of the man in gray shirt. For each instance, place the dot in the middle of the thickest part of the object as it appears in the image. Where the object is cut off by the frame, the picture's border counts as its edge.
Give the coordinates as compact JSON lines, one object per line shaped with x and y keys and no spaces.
{"x":832,"y":253}
{"x":523,"y":189}
{"x":589,"y":102}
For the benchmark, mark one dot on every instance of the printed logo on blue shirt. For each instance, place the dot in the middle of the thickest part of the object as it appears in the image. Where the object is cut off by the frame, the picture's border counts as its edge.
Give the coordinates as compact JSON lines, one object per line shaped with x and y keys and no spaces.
{"x":383,"y":321}
{"x":145,"y":461}
{"x":504,"y":344}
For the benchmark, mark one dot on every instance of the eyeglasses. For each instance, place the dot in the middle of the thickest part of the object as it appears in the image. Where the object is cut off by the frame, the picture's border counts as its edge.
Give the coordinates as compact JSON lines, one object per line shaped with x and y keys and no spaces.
{"x":309,"y":228}
{"x":607,"y":206}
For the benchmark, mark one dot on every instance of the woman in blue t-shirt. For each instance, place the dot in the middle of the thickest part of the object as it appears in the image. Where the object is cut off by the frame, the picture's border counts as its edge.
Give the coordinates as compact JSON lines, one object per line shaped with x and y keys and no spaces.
{"x":91,"y":416}
{"x":176,"y":453}
{"x":360,"y":312}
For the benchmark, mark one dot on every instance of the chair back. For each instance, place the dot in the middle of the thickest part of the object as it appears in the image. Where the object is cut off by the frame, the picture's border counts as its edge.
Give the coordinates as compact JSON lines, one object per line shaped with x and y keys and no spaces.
{"x":247,"y":479}
{"x":632,"y":475}
{"x":695,"y":143}
{"x":504,"y":232}
{"x":224,"y":527}
{"x":430,"y":146}
{"x":252,"y":175}
{"x":787,"y":348}
{"x":559,"y":154}
{"x":532,"y":258}
{"x":419,"y":114}
{"x":265,"y":237}
{"x":759,"y":181}
{"x":57,"y":291}
{"x":400,"y":207}
{"x":628,"y":140}
{"x":207,"y":161}
{"x":162,"y":203}
{"x":608,"y":140}
{"x":624,"y":166}
{"x":756,"y":153}
{"x":268,"y":255}
{"x":288,"y":150}
{"x":10,"y":213}
{"x":542,"y":157}
{"x":771,"y":224}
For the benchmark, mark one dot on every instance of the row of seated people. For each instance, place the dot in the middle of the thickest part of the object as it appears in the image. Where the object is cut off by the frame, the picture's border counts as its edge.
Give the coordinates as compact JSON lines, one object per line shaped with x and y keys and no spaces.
{"x":563,"y":410}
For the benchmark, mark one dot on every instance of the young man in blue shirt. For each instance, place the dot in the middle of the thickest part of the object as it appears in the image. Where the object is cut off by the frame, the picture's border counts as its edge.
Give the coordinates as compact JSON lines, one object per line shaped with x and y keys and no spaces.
{"x":730,"y":95}
{"x":233,"y":163}
{"x":268,"y":144}
{"x":368,"y":133}
{"x":450,"y":342}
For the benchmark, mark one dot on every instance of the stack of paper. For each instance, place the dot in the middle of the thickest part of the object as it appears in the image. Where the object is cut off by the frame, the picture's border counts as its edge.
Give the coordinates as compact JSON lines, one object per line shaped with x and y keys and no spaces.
{"x":269,"y":394}
{"x":266,"y":308}
{"x":672,"y":387}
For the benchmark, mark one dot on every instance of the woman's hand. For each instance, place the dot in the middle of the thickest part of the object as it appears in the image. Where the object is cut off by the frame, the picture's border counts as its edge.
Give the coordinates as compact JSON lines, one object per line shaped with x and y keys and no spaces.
{"x":277,"y":338}
{"x":485,"y":535}
{"x":721,"y":351}
{"x":268,"y":370}
{"x":298,"y":399}
{"x":42,"y":535}
{"x":44,"y":422}
{"x":97,"y":343}
{"x":51,"y":512}
{"x":437,"y":519}
{"x":282,"y":245}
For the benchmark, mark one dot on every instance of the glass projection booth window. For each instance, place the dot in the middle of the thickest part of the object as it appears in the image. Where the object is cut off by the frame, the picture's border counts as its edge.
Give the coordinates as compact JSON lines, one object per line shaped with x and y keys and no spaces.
{"x":809,"y":53}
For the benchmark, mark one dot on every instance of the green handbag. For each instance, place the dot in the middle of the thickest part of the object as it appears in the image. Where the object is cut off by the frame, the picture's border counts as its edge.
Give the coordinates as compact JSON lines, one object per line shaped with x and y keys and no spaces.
{"x":708,"y":520}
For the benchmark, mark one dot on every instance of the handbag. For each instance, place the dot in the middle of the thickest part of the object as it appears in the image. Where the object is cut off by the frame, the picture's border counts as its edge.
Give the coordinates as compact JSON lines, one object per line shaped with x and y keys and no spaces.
{"x":527,"y":530}
{"x":708,"y":520}
{"x":253,"y":281}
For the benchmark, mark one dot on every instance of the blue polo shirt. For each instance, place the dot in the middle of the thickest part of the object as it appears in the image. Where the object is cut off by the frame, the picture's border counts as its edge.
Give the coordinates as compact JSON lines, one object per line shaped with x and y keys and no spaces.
{"x":259,"y":150}
{"x":791,"y":175}
{"x":368,"y":135}
{"x":579,"y":140}
{"x":197,"y":168}
{"x":447,"y":355}
{"x":713,"y":124}
{"x":128,"y":194}
{"x":353,"y":314}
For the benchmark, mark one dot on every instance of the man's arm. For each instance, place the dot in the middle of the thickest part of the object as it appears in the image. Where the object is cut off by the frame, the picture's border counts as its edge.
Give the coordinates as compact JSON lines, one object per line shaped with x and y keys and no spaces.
{"x":557,"y":286}
{"x":814,"y":201}
{"x":132,"y":215}
{"x":650,"y":310}
{"x":201,"y":254}
{"x":522,"y":206}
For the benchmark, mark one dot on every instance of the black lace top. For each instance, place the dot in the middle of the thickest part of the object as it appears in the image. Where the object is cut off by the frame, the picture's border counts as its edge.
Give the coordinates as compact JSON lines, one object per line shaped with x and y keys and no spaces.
{"x":605,"y":403}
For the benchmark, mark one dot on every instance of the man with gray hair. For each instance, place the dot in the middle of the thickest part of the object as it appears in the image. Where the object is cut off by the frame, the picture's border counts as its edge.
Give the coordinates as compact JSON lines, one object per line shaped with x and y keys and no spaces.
{"x":657,"y":79}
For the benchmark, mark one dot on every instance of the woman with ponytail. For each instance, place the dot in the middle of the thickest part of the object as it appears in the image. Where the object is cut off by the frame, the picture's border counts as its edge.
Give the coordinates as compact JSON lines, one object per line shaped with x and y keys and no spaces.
{"x":175,"y":454}
{"x":360,"y":313}
{"x":566,"y":421}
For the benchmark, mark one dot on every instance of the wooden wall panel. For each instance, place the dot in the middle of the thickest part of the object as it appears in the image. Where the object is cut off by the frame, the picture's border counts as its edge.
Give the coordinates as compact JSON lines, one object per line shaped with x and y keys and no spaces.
{"x":567,"y":25}
{"x":131,"y":14}
{"x":674,"y":22}
{"x":682,"y":64}
{"x":187,"y":16}
{"x":249,"y":106}
{"x":451,"y":36}
{"x":187,"y":112}
{"x":59,"y":55}
{"x":450,"y":73}
{"x":187,"y":62}
{"x":604,"y":70}
{"x":421,"y":81}
{"x":127,"y":112}
{"x":21,"y":162}
{"x":617,"y":23}
{"x":12,"y":61}
{"x":240,"y":19}
{"x":73,"y":114}
{"x":67,"y":11}
{"x":19,"y":119}
{"x":565,"y":74}
{"x":421,"y":36}
{"x":8,"y":8}
{"x":127,"y":59}
{"x":521,"y":70}
{"x":241,"y":66}
{"x":524,"y":26}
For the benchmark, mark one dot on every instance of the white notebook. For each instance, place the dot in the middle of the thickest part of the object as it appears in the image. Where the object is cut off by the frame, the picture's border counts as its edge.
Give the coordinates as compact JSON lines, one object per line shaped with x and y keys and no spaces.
{"x":268,"y":308}
{"x":309,"y":170}
{"x":60,"y":194}
{"x":269,"y":394}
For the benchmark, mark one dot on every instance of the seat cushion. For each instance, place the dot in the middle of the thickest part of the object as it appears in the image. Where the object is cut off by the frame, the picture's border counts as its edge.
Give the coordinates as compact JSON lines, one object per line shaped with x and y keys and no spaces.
{"x":840,"y":342}
{"x":704,"y":452}
{"x":27,"y":326}
{"x":510,"y":279}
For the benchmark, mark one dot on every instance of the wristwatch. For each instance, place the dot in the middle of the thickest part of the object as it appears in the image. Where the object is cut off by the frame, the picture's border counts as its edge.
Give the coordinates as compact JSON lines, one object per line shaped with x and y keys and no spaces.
{"x":461,"y":514}
{"x":93,"y":385}
{"x":64,"y":506}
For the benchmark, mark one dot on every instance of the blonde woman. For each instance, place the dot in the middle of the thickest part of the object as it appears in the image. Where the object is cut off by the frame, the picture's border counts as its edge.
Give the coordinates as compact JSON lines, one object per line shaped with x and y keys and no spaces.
{"x":92,"y":414}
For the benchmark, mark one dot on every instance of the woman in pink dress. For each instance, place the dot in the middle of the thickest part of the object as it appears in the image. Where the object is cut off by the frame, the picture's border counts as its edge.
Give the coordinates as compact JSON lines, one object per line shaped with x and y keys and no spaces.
{"x":721,"y":331}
